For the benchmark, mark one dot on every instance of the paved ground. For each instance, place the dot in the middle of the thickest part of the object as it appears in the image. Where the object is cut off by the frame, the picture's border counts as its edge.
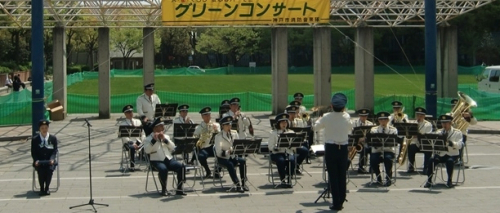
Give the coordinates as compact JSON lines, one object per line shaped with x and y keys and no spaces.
{"x":125,"y":193}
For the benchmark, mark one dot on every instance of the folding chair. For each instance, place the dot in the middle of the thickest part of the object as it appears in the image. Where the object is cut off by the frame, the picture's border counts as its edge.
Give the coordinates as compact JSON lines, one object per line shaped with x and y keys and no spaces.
{"x":461,"y":170}
{"x":221,"y":172}
{"x":383,"y":172}
{"x":150,"y":170}
{"x":34,"y":186}
{"x":270,"y":172}
{"x":125,"y":161}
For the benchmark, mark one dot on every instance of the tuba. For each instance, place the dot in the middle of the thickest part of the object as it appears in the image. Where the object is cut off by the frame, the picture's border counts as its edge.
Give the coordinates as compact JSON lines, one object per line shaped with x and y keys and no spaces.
{"x":463,"y":105}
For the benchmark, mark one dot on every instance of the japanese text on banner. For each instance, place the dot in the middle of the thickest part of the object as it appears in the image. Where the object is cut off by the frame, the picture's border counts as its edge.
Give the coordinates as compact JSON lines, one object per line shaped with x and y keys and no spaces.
{"x":244,"y":12}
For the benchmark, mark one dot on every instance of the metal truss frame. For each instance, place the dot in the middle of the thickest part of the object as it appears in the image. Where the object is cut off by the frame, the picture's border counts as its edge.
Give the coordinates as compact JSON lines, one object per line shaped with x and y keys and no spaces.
{"x":147,"y":13}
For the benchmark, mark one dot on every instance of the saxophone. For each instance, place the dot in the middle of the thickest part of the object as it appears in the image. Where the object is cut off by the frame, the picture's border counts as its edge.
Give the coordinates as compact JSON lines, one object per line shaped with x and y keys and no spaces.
{"x":206,"y":134}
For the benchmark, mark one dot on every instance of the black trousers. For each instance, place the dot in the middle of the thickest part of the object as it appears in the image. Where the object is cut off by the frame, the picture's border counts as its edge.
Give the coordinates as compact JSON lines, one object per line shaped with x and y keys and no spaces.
{"x":412,"y":151}
{"x":44,"y":177}
{"x":336,"y":165}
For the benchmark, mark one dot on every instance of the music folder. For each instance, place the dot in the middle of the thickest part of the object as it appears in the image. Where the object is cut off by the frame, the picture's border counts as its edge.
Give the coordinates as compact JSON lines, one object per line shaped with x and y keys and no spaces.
{"x":381,"y":140}
{"x":166,"y":110}
{"x":432,"y":142}
{"x":184,"y":145}
{"x":290,"y":140}
{"x":361,"y":130}
{"x":407,"y":129}
{"x":184,"y":130}
{"x":246,"y":146}
{"x":131,"y":132}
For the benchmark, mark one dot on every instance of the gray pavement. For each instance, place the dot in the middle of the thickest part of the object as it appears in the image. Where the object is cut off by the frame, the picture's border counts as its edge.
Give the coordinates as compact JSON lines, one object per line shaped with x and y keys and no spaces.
{"x":125,"y":192}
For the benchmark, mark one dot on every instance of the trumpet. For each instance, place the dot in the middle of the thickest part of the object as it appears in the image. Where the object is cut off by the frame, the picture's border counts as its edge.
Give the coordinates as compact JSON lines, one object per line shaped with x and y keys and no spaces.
{"x":399,"y":116}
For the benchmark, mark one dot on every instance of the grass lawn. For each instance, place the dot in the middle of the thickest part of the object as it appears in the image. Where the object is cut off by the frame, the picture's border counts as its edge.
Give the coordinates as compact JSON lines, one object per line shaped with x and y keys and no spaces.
{"x":385,"y":84}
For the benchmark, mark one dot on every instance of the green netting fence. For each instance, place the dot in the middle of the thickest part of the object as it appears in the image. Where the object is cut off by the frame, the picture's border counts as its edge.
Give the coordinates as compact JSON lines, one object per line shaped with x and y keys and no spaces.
{"x":16,"y":106}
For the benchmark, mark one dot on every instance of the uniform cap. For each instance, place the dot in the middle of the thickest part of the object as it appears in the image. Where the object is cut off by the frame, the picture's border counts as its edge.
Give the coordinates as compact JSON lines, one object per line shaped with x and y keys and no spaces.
{"x":383,"y":115}
{"x":128,"y":108}
{"x":206,"y":110}
{"x":339,"y":100}
{"x":184,"y":107}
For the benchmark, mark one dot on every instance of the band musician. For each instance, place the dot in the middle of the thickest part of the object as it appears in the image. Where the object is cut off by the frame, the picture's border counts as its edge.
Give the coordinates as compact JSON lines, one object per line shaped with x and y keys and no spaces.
{"x":363,"y":155}
{"x":469,"y":117}
{"x":146,"y":103}
{"x":397,"y":116}
{"x":183,"y":118}
{"x":383,"y":154}
{"x":424,"y":127}
{"x":225,"y":157}
{"x":299,"y":97}
{"x":303,"y":150}
{"x":243,"y":121}
{"x":338,"y":125}
{"x":131,"y":144}
{"x":44,"y":151}
{"x":159,"y":146}
{"x":454,"y":143}
{"x":283,"y":157}
{"x":205,"y":131}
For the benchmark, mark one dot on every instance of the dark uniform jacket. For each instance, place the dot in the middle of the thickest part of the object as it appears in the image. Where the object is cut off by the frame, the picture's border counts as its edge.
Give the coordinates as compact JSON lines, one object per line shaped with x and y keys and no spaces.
{"x":42,"y":152}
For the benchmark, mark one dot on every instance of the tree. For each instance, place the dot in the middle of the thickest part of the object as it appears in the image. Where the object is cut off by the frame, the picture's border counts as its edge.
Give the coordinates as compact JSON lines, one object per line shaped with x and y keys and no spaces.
{"x":233,"y":42}
{"x":128,"y":41}
{"x":175,"y":45}
{"x":88,"y":39}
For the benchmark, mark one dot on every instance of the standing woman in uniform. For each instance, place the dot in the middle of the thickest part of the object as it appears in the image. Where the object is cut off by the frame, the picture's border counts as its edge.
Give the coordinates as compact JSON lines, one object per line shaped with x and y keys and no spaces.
{"x":338,"y":126}
{"x":44,"y":152}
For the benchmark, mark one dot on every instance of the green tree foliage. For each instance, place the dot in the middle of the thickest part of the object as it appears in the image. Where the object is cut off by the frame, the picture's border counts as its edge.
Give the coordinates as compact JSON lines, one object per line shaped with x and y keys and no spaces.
{"x":232,"y":42}
{"x":175,"y":46}
{"x":128,"y":41}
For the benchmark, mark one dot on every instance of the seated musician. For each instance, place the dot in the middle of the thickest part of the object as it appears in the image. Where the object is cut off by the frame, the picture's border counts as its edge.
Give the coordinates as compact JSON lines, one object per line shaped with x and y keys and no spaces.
{"x":363,"y":155}
{"x":183,"y":118}
{"x":424,"y":127}
{"x":146,"y":125}
{"x":44,"y":151}
{"x":469,"y":117}
{"x":383,"y":154}
{"x":279,"y":155}
{"x":397,"y":116}
{"x":302,"y":151}
{"x":205,"y":131}
{"x":159,"y":146}
{"x":225,"y":157}
{"x":453,"y":143}
{"x":131,"y":144}
{"x":243,"y":120}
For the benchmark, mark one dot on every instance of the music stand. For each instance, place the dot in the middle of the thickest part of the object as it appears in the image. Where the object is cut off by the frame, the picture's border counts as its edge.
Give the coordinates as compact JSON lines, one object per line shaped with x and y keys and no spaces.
{"x":383,"y":140}
{"x":407,"y":129}
{"x":130,"y":132}
{"x":244,"y":147}
{"x":432,"y":143}
{"x":184,"y":146}
{"x":184,"y":130}
{"x":165,"y":110}
{"x":435,"y":123}
{"x":223,"y":110}
{"x":361,"y":130}
{"x":290,"y":141}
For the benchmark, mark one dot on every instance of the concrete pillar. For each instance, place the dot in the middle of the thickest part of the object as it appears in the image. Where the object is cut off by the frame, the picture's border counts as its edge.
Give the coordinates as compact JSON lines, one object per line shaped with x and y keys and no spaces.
{"x":148,"y":56}
{"x":322,"y":50}
{"x":59,"y":90}
{"x":104,"y":81}
{"x":363,"y":69}
{"x":447,"y":66}
{"x":279,"y":64}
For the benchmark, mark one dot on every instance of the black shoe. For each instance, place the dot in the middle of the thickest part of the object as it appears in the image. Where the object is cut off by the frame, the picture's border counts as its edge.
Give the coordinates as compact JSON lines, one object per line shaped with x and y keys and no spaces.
{"x":362,"y":171}
{"x":411,"y":170}
{"x":208,"y":175}
{"x":449,"y":184}
{"x":298,"y":172}
{"x":245,"y":188}
{"x":164,"y":192}
{"x":217,"y":175}
{"x":239,"y":189}
{"x":336,"y":208}
{"x":131,"y":169}
{"x":428,"y":185}
{"x":41,"y":193}
{"x":388,"y":183}
{"x":180,"y":193}
{"x":47,"y":192}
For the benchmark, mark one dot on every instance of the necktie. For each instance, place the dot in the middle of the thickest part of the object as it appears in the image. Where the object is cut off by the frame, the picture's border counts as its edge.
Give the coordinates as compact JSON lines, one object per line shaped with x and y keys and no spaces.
{"x":383,"y":130}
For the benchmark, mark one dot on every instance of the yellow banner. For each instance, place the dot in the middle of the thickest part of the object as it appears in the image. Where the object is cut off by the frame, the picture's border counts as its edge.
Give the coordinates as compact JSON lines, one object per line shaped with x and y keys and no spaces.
{"x":244,"y":12}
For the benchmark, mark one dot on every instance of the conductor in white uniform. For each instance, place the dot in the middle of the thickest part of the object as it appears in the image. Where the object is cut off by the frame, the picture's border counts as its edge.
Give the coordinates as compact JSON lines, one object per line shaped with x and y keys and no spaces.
{"x":146,"y":103}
